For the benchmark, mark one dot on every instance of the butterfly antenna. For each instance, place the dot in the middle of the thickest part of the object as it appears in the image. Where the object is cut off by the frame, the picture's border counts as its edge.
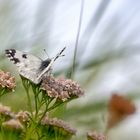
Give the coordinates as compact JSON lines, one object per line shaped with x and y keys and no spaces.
{"x":46,"y":52}
{"x":60,"y":54}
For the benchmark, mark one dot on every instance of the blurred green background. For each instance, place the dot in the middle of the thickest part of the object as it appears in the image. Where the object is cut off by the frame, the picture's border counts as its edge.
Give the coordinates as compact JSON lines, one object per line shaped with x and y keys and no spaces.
{"x":102,"y":39}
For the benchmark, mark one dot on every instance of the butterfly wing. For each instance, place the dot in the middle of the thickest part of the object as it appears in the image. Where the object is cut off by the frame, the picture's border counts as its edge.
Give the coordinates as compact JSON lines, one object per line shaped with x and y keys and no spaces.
{"x":28,"y":65}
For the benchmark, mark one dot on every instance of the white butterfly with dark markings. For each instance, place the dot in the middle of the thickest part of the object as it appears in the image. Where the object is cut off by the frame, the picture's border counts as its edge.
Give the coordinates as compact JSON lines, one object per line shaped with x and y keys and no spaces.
{"x":30,"y":66}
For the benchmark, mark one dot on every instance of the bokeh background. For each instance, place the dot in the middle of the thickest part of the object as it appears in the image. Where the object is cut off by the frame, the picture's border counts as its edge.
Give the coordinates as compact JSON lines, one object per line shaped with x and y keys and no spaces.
{"x":102,"y":38}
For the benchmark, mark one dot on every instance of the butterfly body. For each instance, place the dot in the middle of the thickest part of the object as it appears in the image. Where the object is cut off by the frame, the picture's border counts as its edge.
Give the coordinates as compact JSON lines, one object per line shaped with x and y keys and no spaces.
{"x":30,"y":66}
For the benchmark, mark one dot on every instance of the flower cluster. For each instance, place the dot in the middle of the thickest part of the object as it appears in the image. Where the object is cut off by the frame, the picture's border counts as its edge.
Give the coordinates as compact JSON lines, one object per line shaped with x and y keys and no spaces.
{"x":95,"y":136}
{"x":58,"y":127}
{"x":11,"y":120}
{"x":23,"y":116}
{"x":5,"y":112}
{"x":50,"y":128}
{"x":63,"y":89}
{"x":7,"y":81}
{"x":48,"y":95}
{"x":58,"y":123}
{"x":12,"y":124}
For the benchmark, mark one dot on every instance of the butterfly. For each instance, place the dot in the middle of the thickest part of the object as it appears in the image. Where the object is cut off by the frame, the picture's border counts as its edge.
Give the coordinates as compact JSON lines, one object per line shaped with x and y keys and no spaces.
{"x":30,"y":66}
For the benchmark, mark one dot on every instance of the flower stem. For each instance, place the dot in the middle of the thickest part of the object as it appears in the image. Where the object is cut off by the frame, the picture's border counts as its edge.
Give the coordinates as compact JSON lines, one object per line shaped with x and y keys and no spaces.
{"x":26,"y":85}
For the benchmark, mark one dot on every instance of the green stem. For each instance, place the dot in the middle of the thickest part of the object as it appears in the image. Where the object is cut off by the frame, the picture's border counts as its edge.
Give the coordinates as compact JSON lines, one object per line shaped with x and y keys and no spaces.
{"x":35,"y":99}
{"x":54,"y":106}
{"x":77,"y":39}
{"x":26,"y":85}
{"x":29,"y":101}
{"x":46,"y":109}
